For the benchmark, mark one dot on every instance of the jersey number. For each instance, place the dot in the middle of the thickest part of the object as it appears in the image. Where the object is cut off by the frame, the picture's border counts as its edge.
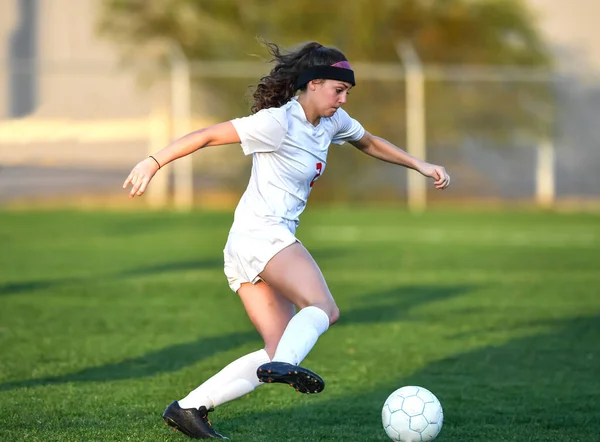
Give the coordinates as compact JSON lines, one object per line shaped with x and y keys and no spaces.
{"x":318,"y":174}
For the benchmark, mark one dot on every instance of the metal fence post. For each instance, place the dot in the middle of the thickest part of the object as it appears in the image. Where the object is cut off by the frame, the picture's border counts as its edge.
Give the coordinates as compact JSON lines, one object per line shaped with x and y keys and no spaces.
{"x":415,"y":124}
{"x":545,"y":174}
{"x":183,"y":185}
{"x":159,"y":133}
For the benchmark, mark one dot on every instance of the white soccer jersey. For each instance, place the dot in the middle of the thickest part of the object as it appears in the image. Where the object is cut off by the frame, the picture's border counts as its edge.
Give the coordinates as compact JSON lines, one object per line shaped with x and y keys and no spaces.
{"x":288,"y":155}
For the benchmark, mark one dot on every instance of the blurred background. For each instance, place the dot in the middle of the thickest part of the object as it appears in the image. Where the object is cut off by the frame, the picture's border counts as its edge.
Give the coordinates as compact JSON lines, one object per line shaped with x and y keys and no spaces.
{"x":503,"y":93}
{"x":107,"y":316}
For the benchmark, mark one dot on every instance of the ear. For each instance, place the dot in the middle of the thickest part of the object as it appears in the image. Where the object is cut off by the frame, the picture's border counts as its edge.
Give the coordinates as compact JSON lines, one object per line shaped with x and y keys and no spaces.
{"x":312,"y":85}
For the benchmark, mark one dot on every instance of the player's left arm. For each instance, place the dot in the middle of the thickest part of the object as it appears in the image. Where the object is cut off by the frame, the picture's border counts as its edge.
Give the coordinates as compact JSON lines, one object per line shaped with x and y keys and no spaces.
{"x":383,"y":150}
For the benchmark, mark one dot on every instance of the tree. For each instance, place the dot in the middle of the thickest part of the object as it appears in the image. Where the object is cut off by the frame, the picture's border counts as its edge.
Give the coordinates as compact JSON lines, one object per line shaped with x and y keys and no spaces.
{"x":442,"y":31}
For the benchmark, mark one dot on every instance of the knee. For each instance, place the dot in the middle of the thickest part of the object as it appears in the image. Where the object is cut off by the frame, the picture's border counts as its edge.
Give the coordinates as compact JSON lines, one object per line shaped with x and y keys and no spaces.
{"x":331,"y":310}
{"x":334,"y":315}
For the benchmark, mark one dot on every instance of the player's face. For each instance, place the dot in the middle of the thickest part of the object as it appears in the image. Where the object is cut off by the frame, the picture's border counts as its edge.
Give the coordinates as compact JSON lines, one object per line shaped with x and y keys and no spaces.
{"x":332,"y":95}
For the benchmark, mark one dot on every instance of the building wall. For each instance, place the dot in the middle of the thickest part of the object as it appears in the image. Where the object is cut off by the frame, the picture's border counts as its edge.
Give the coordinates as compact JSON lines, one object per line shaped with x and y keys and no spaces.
{"x":571,"y":29}
{"x":76,"y":73}
{"x":71,"y":35}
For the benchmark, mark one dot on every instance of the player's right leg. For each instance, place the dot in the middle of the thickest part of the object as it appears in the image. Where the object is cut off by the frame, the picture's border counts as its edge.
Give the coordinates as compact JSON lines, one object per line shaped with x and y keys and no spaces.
{"x":295,"y":274}
{"x":270,"y":314}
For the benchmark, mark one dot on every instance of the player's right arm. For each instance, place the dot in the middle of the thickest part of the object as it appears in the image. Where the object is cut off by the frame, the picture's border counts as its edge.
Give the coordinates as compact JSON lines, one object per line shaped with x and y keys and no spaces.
{"x":216,"y":135}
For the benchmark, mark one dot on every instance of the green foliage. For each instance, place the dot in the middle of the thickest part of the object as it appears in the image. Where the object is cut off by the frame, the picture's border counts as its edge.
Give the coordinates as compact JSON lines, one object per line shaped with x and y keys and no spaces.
{"x":105,"y":318}
{"x":443,"y":31}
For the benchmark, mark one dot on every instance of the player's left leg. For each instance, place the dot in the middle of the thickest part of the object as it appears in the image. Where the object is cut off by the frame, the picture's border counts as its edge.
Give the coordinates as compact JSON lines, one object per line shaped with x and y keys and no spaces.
{"x":294,"y":273}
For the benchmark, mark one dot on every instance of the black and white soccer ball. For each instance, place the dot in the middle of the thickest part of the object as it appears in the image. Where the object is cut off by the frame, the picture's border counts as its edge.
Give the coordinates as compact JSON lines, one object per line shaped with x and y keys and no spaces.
{"x":412,"y":414}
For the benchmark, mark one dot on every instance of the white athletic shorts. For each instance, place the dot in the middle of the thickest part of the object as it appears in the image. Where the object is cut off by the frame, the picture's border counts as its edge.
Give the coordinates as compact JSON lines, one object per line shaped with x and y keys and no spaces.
{"x":247,"y":252}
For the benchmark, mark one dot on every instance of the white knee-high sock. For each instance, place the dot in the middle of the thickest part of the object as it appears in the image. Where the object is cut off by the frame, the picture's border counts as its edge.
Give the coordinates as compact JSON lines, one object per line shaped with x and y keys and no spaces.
{"x":235,"y":380}
{"x":301,"y":335}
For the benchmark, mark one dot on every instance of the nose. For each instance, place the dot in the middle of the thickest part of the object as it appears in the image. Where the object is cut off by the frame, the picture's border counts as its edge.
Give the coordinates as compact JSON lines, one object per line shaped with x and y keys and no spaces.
{"x":343,"y":97}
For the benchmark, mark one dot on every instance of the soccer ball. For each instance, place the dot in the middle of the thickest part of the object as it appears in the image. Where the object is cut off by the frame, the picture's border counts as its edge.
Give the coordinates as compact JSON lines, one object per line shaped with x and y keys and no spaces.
{"x":412,"y":414}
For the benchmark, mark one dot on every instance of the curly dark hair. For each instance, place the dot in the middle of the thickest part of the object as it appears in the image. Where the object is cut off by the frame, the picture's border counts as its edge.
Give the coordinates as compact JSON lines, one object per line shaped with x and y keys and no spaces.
{"x":279,"y":86}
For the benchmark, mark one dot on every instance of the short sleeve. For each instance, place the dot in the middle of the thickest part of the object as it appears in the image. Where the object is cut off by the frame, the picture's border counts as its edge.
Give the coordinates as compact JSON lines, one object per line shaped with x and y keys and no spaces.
{"x":262,"y":132}
{"x":348,"y":129}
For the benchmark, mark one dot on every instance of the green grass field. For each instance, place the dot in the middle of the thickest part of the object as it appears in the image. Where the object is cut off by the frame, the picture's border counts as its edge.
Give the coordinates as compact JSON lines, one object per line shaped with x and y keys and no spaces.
{"x":105,"y":318}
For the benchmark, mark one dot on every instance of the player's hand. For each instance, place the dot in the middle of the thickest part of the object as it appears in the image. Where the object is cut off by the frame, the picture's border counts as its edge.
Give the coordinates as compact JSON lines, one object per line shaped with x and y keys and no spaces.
{"x":140,"y":176}
{"x":438,"y":173}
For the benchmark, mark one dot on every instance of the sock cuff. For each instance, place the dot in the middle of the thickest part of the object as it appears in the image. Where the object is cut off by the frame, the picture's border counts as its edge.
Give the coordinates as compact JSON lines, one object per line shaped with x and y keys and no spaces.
{"x":318,"y":317}
{"x":261,"y":356}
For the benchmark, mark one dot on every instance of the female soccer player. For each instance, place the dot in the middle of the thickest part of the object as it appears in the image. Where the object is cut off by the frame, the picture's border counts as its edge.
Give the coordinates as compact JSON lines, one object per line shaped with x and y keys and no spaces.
{"x":288,"y":136}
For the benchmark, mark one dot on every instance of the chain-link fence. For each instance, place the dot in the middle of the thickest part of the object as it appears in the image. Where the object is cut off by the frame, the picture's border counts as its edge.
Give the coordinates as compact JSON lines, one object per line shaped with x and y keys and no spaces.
{"x":505,"y":135}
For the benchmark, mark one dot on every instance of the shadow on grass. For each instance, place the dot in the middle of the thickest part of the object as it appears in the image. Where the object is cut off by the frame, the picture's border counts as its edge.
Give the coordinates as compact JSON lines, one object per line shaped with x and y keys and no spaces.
{"x":169,"y":267}
{"x":168,"y":359}
{"x":212,"y":263}
{"x":395,"y":304}
{"x":384,"y":306}
{"x":14,"y":288}
{"x":539,"y":388}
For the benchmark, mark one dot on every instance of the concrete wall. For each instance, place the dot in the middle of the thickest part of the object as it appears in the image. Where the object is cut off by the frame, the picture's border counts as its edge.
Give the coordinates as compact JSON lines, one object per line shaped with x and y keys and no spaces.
{"x":76,"y":74}
{"x":571,"y":28}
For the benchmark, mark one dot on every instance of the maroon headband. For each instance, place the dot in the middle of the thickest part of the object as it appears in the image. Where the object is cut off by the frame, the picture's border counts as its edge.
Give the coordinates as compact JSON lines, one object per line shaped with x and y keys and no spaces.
{"x":342,"y":64}
{"x":340,"y":71}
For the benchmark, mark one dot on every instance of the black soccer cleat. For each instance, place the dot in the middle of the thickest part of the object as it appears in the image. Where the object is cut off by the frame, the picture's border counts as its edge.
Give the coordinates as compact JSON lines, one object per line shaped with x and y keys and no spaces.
{"x":191,"y":422}
{"x":302,"y":379}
